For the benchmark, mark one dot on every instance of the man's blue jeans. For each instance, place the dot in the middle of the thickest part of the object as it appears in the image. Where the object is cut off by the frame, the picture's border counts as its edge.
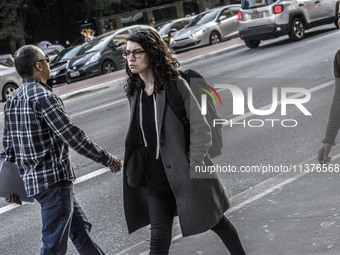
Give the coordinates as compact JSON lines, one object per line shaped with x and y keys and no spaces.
{"x":63,"y":217}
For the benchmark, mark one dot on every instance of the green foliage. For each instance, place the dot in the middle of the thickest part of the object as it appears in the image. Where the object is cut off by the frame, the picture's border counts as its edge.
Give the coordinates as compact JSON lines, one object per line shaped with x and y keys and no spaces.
{"x":98,"y":8}
{"x":12,"y":19}
{"x":34,"y":20}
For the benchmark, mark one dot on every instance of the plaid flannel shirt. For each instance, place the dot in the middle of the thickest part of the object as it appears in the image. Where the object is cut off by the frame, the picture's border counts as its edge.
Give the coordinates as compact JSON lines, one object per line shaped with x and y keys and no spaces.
{"x":37,"y":134}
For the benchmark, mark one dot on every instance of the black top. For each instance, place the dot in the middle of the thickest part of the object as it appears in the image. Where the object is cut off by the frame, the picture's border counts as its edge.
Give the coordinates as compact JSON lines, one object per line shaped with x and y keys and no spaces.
{"x":156,"y":176}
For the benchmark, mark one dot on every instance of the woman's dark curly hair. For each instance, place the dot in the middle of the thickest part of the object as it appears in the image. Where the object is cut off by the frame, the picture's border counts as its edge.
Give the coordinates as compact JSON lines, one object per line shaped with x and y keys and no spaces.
{"x":164,"y":65}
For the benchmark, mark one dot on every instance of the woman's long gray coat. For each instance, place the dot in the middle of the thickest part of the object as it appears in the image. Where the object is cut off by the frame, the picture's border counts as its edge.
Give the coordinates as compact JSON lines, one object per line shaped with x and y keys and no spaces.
{"x":201,"y":202}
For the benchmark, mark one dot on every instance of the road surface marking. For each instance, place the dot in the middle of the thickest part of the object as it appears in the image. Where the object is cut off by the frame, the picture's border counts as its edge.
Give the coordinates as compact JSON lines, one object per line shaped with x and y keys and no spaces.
{"x":104,"y":170}
{"x":98,"y":108}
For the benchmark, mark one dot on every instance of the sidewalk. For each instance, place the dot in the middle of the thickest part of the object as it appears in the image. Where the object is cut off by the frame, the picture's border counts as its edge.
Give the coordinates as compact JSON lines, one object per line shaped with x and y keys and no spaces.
{"x":288,"y":215}
{"x":118,"y":78}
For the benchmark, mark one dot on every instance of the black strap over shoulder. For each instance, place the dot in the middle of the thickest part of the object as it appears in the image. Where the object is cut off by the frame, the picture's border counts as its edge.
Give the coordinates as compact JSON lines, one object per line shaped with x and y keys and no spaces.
{"x":176,"y":103}
{"x":189,"y":73}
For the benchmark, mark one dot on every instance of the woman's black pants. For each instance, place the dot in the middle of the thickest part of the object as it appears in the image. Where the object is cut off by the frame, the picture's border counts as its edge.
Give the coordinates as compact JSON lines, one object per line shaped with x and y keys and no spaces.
{"x":162,"y":210}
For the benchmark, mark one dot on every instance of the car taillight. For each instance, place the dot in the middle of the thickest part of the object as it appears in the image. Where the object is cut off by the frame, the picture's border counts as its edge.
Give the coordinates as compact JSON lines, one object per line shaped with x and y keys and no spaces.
{"x":239,"y":15}
{"x":278,"y":9}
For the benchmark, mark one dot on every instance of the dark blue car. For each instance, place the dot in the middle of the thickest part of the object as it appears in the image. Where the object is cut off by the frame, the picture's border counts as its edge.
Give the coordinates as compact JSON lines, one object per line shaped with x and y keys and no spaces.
{"x":58,"y":65}
{"x":101,"y":55}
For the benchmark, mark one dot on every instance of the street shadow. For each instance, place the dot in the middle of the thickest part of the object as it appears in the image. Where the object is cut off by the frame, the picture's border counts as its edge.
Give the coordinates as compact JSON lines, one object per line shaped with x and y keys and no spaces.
{"x":318,"y":32}
{"x":309,"y":34}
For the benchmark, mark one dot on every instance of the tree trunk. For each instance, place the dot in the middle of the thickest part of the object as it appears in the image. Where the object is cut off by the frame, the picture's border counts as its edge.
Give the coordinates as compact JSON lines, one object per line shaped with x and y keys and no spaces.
{"x":21,"y":24}
{"x":12,"y":44}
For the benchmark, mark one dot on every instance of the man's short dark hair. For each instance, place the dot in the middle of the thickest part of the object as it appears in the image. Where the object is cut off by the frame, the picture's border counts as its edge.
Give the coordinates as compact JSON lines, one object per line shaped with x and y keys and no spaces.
{"x":25,"y":58}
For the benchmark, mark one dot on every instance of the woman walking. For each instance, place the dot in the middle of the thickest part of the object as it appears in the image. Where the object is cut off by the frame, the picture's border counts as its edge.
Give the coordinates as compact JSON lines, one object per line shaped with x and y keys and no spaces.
{"x":157,"y":183}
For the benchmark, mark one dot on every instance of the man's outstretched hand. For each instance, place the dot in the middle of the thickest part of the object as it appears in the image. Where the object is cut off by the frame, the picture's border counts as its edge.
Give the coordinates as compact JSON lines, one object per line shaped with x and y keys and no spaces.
{"x":116,"y":165}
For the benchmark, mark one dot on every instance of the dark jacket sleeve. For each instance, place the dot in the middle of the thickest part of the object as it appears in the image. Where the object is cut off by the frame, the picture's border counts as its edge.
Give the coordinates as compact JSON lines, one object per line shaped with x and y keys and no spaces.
{"x":200,"y":132}
{"x":334,"y":115}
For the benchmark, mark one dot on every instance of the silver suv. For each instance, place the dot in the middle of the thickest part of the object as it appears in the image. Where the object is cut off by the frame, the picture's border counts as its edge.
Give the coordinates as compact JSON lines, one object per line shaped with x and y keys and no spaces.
{"x":266,"y":19}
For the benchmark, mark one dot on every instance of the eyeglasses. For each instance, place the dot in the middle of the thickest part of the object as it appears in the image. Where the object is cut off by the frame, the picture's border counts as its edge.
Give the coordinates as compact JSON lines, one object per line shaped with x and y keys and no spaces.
{"x":136,"y":54}
{"x":47,"y":58}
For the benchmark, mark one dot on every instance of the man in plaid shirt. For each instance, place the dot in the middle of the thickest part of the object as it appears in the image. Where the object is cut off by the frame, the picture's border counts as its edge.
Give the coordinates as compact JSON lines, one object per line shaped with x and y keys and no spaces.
{"x":37,"y":135}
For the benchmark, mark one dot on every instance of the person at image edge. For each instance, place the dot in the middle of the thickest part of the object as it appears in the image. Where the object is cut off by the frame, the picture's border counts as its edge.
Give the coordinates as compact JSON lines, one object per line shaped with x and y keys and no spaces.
{"x":333,"y":123}
{"x":37,"y":136}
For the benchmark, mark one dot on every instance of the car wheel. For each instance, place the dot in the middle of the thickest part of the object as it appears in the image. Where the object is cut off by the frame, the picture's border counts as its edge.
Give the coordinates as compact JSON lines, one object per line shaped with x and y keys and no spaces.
{"x":215,"y":38}
{"x":297,"y":30}
{"x":252,"y":43}
{"x":8,"y":90}
{"x":108,"y":67}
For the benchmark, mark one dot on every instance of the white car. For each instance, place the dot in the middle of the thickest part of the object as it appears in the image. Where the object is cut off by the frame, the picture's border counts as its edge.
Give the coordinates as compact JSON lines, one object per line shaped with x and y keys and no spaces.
{"x":209,"y":27}
{"x":6,"y":61}
{"x":262,"y":20}
{"x":166,"y":29}
{"x":9,"y":81}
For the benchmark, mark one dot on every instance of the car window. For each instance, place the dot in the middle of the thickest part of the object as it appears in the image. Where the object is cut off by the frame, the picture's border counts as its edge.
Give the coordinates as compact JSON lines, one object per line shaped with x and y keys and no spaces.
{"x":8,"y":61}
{"x":186,"y":22}
{"x":133,"y":29}
{"x":203,"y":18}
{"x":178,"y":25}
{"x":250,"y":4}
{"x":68,"y":53}
{"x":97,"y":44}
{"x":121,"y":37}
{"x":226,"y":13}
{"x":163,"y":29}
{"x":235,"y":11}
{"x":50,"y":51}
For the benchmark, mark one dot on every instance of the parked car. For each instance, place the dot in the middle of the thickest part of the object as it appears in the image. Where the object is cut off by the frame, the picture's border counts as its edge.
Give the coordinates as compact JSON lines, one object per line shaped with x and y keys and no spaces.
{"x":58,"y":65}
{"x":101,"y":55}
{"x":6,"y":60}
{"x":9,"y":78}
{"x":9,"y":81}
{"x":269,"y":19}
{"x":166,"y":29}
{"x":52,"y":50}
{"x":209,"y":27}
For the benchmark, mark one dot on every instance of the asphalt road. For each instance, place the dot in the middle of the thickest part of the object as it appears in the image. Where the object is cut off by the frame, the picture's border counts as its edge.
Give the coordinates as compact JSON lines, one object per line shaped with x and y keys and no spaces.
{"x":104,"y":114}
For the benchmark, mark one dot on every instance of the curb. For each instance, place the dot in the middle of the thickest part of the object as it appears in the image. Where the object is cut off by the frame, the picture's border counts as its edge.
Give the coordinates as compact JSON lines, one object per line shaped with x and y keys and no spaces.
{"x":120,"y":81}
{"x":114,"y":83}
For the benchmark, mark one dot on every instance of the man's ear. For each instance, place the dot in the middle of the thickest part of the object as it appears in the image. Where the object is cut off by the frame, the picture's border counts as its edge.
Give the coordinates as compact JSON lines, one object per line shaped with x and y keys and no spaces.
{"x":38,"y":66}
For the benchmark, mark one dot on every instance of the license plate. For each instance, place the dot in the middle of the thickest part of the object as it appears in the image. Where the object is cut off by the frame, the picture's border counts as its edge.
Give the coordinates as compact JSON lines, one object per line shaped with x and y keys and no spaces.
{"x":74,"y":74}
{"x":256,"y":15}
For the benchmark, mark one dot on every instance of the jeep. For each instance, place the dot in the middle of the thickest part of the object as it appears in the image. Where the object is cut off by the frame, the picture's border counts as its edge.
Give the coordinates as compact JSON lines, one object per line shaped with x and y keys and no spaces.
{"x":267,"y":19}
